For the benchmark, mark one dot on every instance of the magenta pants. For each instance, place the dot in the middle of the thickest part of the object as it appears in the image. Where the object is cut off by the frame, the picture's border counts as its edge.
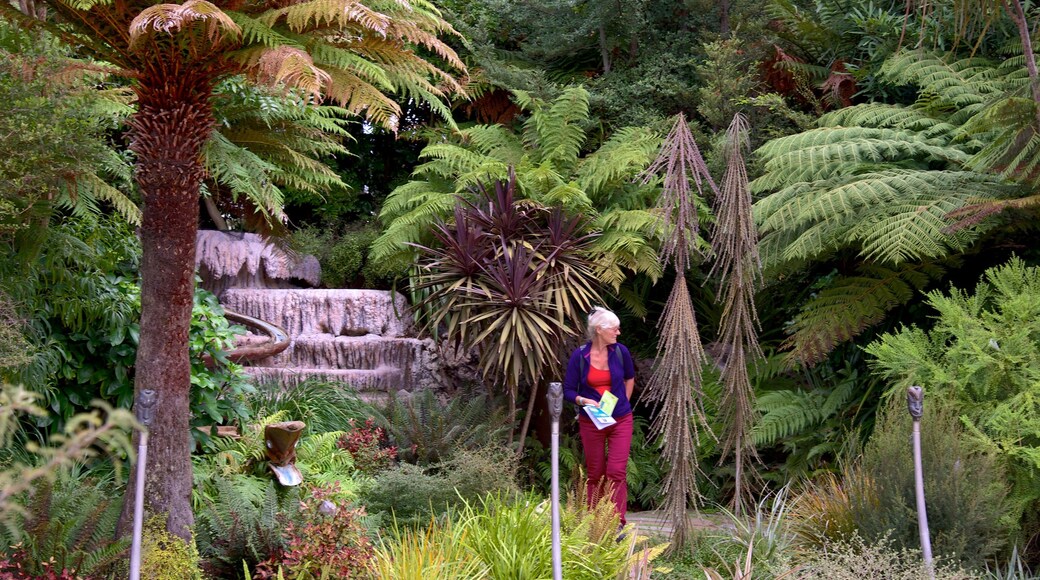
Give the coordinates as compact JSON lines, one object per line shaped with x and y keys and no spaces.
{"x":606,"y":460}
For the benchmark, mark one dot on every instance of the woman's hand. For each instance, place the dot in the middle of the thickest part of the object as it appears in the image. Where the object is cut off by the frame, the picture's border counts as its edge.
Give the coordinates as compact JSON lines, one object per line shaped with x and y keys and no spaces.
{"x":585,"y":402}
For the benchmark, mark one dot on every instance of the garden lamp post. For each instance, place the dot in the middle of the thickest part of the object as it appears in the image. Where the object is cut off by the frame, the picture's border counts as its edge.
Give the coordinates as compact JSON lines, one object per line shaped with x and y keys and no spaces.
{"x":555,"y":398}
{"x":915,"y":404}
{"x":145,"y":411}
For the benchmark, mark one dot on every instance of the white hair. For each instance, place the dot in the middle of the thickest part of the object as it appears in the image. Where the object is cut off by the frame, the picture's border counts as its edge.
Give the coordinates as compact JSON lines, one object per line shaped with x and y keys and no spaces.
{"x":601,"y":318}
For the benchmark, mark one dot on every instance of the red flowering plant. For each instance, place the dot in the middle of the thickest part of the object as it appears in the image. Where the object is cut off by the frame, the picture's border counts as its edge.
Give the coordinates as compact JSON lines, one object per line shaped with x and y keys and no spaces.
{"x":367,"y":445}
{"x":12,"y":567}
{"x":328,"y":541}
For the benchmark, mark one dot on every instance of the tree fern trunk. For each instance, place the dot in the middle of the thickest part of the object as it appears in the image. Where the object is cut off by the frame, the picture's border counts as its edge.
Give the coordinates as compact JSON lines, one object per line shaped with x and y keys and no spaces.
{"x":167,"y":135}
{"x":604,"y":50}
{"x":1014,"y":8}
{"x":527,"y":420}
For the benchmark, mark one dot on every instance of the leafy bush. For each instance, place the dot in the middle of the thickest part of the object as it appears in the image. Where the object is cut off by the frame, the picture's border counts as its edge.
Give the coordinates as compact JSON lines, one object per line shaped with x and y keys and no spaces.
{"x":426,"y":431}
{"x":965,"y":491}
{"x":343,"y":256}
{"x":329,"y":542}
{"x":983,"y":354}
{"x":856,"y":559}
{"x":365,"y":445}
{"x":81,"y":302}
{"x":412,"y":493}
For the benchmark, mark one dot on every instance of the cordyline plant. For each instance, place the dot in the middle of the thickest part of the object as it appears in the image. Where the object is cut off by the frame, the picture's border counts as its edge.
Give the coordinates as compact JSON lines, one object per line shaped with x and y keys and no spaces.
{"x":174,"y":56}
{"x":510,"y":280}
{"x":675,"y":386}
{"x":735,"y":244}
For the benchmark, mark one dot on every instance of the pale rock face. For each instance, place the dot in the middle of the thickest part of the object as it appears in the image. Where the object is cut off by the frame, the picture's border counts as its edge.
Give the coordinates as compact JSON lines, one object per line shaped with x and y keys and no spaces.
{"x":354,"y":336}
{"x":361,"y":337}
{"x":336,"y":312}
{"x":242,"y":260}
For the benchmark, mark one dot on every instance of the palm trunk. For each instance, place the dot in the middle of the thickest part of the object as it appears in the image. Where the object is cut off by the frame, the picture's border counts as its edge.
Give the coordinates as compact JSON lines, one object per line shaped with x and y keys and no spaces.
{"x":168,"y":136}
{"x":527,"y":421}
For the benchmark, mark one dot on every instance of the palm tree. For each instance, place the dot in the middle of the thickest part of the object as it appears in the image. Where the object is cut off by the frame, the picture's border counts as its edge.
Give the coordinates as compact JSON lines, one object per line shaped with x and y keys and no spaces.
{"x":510,"y":280}
{"x":175,"y":55}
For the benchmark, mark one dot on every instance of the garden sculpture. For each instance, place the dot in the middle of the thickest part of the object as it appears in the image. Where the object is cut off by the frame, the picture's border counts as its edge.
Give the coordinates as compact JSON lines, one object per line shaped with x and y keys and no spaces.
{"x":281,"y":440}
{"x":555,"y":398}
{"x":145,"y":411}
{"x":915,"y":404}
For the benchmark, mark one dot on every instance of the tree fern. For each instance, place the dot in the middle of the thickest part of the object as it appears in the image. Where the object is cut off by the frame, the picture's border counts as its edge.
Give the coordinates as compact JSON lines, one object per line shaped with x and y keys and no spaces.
{"x":547,"y":157}
{"x":850,"y":304}
{"x":897,"y":185}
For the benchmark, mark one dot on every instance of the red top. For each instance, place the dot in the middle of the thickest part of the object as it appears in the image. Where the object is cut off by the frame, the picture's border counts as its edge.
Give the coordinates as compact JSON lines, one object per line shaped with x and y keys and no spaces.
{"x":599,"y":379}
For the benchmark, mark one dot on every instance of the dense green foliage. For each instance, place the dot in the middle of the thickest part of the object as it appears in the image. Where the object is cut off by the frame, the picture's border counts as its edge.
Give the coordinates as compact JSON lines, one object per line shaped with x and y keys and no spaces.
{"x":982,"y":355}
{"x":80,"y":300}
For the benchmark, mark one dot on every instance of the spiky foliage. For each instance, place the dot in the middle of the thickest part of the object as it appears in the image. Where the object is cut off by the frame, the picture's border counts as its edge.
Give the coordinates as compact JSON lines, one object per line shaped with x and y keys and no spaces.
{"x":735,"y":242}
{"x":675,"y":386}
{"x":426,"y":430}
{"x":356,"y":54}
{"x":510,"y":280}
{"x":900,"y":188}
{"x":551,"y":169}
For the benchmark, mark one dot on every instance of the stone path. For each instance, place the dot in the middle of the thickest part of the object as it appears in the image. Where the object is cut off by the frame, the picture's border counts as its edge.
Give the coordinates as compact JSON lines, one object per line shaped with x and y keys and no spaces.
{"x":656,"y":523}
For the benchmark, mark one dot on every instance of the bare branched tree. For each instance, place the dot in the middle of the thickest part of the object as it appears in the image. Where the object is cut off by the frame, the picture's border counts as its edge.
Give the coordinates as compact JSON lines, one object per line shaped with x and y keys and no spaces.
{"x":675,"y":386}
{"x":737,"y":264}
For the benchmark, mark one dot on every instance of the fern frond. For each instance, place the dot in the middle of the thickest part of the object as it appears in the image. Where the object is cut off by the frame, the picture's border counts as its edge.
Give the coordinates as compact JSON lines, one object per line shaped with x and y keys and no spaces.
{"x":849,"y":305}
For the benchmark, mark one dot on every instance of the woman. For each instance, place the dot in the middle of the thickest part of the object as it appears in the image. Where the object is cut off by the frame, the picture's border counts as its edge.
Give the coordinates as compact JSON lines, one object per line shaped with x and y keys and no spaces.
{"x":603,"y":365}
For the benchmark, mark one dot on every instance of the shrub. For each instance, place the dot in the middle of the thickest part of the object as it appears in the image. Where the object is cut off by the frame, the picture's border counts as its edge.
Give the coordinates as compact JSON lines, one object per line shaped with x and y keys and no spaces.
{"x":343,"y":256}
{"x":857,"y":559}
{"x":330,"y":542}
{"x":365,"y":444}
{"x":983,"y":353}
{"x":413,"y":493}
{"x":427,"y":431}
{"x":965,"y":491}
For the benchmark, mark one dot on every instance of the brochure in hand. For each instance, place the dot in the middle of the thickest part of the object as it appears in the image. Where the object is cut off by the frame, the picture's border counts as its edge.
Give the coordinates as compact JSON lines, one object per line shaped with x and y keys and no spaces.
{"x":600,"y":417}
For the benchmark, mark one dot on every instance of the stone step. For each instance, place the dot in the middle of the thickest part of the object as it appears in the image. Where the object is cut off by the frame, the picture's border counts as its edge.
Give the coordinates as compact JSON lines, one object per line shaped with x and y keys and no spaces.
{"x":336,"y":312}
{"x":326,"y":351}
{"x":367,"y":382}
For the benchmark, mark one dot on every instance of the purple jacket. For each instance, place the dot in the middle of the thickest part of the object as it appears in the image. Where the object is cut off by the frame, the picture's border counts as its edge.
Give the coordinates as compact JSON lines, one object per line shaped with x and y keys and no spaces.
{"x":576,"y":383}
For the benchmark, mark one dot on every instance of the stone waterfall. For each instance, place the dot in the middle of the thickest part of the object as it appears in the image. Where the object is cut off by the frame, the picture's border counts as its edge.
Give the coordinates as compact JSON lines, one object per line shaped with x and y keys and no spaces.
{"x":364,"y":338}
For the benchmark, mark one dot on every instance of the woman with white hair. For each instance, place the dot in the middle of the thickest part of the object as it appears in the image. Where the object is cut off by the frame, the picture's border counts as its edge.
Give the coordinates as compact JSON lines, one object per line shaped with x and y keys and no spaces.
{"x":601,"y":366}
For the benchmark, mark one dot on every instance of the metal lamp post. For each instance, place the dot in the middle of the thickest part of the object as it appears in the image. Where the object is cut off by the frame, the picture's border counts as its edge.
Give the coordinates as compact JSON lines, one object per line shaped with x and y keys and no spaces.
{"x":915,"y":405}
{"x":144,"y":408}
{"x":555,"y":399}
